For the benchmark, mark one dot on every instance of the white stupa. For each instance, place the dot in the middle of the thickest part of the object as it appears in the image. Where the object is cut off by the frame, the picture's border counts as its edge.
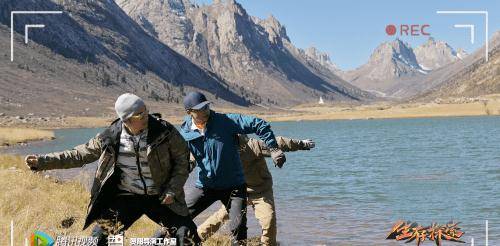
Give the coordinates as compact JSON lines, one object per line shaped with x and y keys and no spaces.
{"x":321,"y":100}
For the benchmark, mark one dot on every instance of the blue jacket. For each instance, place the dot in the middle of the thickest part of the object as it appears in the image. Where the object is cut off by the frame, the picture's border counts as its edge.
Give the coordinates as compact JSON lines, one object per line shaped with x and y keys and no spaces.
{"x":217,"y":159}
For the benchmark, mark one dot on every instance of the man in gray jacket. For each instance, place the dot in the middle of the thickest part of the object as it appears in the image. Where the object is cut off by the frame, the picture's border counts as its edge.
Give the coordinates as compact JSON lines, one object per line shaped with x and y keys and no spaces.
{"x":143,"y":164}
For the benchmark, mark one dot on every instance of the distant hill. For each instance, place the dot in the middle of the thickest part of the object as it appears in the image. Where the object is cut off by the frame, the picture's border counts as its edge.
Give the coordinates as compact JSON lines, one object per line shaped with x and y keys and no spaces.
{"x":93,"y":52}
{"x":475,"y":79}
{"x":397,"y":71}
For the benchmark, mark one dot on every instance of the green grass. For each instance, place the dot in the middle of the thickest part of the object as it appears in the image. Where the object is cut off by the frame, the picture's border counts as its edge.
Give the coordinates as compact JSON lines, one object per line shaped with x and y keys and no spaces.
{"x":35,"y":202}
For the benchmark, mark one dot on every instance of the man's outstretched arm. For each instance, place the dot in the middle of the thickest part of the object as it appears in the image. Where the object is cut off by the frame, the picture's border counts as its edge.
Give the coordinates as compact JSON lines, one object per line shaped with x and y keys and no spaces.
{"x":76,"y":157}
{"x":285,"y":144}
{"x":246,"y":124}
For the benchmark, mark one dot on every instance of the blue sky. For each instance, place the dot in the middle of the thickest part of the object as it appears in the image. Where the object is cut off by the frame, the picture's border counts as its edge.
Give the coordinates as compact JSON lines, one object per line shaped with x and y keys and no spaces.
{"x":350,"y":30}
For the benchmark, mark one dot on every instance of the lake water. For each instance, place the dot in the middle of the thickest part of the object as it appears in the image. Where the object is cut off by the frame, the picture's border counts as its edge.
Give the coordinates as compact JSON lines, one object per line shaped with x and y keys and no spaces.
{"x":366,"y":174}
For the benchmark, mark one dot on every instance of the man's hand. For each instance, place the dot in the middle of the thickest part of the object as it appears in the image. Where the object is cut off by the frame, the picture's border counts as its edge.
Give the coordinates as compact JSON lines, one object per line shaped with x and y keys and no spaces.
{"x":31,"y":161}
{"x":308,"y":143}
{"x":278,"y":157}
{"x":169,"y":199}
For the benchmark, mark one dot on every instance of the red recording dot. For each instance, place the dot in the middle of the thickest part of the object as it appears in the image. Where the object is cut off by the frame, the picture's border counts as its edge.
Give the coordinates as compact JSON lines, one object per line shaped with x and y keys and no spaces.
{"x":390,"y":29}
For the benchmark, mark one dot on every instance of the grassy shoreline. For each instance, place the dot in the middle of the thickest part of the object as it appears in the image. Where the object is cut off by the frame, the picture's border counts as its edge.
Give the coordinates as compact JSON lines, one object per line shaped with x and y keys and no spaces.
{"x":29,"y":200}
{"x":35,"y":201}
{"x":12,"y":136}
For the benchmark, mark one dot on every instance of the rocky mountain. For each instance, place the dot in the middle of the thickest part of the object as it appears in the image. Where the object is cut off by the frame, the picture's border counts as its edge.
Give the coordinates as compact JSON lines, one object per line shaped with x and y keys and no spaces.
{"x":411,"y":88}
{"x":389,"y":62}
{"x":396,"y":70}
{"x":435,"y":54}
{"x":247,"y":52}
{"x":322,"y":58}
{"x":94,"y":46}
{"x":475,"y":78}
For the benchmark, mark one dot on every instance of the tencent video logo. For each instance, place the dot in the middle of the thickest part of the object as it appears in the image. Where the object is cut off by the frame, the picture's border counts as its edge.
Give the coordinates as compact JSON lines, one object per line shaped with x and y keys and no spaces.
{"x":39,"y":238}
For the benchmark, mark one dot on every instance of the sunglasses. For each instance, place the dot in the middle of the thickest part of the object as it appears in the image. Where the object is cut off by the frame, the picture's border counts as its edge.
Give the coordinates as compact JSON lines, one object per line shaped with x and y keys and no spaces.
{"x":140,"y":115}
{"x":206,"y":107}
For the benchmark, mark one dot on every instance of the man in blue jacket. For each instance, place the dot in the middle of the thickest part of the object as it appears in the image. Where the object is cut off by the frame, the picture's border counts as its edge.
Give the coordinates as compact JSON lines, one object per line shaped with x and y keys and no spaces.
{"x":211,"y":138}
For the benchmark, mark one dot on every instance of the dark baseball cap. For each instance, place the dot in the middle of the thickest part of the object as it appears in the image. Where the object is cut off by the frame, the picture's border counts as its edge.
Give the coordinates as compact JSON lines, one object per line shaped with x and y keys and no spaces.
{"x":195,"y":100}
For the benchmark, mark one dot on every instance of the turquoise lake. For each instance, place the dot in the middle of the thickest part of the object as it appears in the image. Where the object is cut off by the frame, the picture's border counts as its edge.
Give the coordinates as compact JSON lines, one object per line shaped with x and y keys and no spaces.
{"x":364,"y":175}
